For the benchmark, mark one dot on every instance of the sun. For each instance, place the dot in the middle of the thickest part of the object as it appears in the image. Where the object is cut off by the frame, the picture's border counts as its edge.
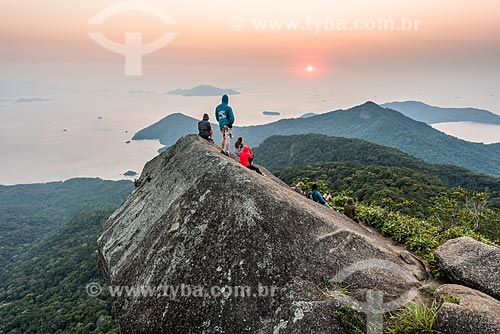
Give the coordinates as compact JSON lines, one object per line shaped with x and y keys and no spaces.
{"x":310,"y":68}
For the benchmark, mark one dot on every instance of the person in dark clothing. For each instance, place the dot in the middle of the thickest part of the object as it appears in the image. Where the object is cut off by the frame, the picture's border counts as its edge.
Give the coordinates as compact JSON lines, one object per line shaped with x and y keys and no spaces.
{"x":350,"y":210}
{"x":245,"y":157}
{"x":315,"y":195}
{"x":205,"y":129}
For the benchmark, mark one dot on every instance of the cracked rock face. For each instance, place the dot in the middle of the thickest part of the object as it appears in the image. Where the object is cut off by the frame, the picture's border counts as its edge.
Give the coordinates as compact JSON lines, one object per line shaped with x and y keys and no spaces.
{"x":200,"y":222}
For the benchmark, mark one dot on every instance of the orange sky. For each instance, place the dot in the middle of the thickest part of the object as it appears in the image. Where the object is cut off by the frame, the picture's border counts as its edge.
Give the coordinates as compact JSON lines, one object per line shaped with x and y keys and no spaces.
{"x":34,"y":28}
{"x":452,"y":60}
{"x":48,"y":39}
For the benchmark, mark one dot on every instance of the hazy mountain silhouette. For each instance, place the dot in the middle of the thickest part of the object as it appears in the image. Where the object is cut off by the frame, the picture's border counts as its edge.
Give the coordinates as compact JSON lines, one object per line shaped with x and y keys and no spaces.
{"x":271,"y":113}
{"x":203,"y":90}
{"x":140,"y":91}
{"x":369,"y":121}
{"x":310,"y":114}
{"x":31,"y":100}
{"x":422,"y":112}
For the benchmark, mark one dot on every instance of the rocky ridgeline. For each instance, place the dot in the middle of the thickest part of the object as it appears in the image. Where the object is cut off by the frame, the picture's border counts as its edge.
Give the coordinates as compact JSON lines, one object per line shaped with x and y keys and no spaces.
{"x":204,"y":224}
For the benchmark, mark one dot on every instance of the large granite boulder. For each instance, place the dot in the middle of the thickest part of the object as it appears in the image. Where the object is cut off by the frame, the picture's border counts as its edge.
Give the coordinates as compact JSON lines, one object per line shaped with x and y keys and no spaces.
{"x":201,"y":222}
{"x":467,"y":311}
{"x":471,"y":263}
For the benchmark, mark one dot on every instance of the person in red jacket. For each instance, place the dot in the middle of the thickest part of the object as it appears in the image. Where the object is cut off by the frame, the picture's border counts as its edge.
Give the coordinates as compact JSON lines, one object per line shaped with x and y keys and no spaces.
{"x":239,"y":148}
{"x":246,"y":157}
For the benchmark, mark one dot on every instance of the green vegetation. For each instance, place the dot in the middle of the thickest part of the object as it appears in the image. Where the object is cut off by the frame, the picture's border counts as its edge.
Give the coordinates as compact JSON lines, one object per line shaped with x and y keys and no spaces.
{"x":350,"y":319}
{"x":419,"y":316}
{"x":48,"y":255}
{"x":403,"y":190}
{"x":44,"y":289}
{"x":415,"y":318}
{"x":415,"y":203}
{"x":279,"y":152}
{"x":396,"y":188}
{"x":48,"y":231}
{"x":451,"y":299}
{"x":463,"y":208}
{"x":29,"y":213}
{"x":284,"y":151}
{"x":453,"y":215}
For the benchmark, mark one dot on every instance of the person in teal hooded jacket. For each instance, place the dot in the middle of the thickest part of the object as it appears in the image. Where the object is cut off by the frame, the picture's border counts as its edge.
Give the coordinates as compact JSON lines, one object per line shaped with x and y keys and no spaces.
{"x":225,"y":116}
{"x":315,"y":195}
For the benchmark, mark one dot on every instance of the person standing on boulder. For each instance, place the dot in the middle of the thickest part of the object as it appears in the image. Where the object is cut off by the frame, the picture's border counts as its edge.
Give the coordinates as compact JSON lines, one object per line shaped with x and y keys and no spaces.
{"x":315,"y":195}
{"x":225,"y":116}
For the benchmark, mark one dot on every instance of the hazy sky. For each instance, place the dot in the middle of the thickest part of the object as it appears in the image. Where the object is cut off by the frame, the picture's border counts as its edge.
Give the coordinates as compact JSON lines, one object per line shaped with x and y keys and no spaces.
{"x":454,"y":53}
{"x":442,"y":52}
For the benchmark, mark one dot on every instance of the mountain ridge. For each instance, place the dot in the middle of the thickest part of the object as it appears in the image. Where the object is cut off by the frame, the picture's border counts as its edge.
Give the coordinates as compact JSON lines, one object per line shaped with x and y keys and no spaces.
{"x":280,"y":152}
{"x":429,"y":114}
{"x":368,"y":121}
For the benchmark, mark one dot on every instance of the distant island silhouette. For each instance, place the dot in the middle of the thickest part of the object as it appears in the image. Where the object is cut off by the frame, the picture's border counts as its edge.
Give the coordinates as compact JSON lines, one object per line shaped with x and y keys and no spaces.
{"x":36,"y":99}
{"x":422,"y":112}
{"x":203,"y":90}
{"x":271,"y":113}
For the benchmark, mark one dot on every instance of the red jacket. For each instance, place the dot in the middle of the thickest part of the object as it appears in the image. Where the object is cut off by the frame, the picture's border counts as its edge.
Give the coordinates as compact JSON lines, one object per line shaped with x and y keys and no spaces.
{"x":245,"y":155}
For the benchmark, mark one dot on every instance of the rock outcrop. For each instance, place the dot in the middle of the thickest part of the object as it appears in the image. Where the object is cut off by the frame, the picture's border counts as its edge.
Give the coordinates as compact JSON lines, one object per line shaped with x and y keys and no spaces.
{"x":471,"y":263}
{"x":467,"y":311}
{"x":203,"y":224}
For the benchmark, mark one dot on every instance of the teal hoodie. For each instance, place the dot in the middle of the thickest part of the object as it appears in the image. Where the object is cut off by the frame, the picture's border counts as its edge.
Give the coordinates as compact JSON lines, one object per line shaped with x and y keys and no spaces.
{"x":224,"y":113}
{"x":315,"y":195}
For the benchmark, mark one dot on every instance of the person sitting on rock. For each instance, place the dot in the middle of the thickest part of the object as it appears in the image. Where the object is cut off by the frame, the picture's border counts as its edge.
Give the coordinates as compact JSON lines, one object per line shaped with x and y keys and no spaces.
{"x":205,"y":129}
{"x":297,"y":188}
{"x":239,"y":148}
{"x":350,"y":210}
{"x":327,"y":197}
{"x":245,"y":159}
{"x":315,"y":195}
